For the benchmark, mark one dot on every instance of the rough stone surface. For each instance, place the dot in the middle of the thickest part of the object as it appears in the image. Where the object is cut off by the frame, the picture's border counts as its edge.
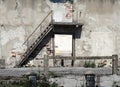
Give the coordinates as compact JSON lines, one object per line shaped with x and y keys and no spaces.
{"x":74,"y":76}
{"x":60,"y":71}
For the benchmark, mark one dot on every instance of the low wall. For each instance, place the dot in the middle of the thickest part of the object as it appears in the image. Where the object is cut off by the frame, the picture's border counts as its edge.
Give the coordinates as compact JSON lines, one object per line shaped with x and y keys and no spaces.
{"x":79,"y":81}
{"x":69,"y":77}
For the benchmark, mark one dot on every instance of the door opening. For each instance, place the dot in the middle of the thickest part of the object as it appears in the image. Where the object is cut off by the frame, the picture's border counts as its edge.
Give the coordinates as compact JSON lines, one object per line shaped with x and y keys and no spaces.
{"x":63,"y":45}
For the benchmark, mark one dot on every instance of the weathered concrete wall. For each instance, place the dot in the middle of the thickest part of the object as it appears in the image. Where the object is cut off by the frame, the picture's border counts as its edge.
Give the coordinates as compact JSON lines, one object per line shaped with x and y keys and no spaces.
{"x":108,"y":81}
{"x":79,"y":81}
{"x":74,"y":81}
{"x":100,"y":35}
{"x":101,"y":26}
{"x":18,"y":18}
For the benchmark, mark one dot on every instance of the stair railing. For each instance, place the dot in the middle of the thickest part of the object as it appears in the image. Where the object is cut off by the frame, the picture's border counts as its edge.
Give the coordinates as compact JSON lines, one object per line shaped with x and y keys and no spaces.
{"x":36,"y":33}
{"x":38,"y":30}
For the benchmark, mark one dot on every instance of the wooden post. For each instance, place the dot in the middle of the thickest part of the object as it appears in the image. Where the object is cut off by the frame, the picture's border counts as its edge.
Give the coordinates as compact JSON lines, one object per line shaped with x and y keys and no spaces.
{"x":46,"y":67}
{"x":114,"y":64}
{"x":52,"y":16}
{"x":53,"y":44}
{"x":97,"y":80}
{"x":73,"y":50}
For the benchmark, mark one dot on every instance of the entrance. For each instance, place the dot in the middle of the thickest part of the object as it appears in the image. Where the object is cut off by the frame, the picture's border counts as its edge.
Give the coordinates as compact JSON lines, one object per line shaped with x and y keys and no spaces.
{"x":63,"y":45}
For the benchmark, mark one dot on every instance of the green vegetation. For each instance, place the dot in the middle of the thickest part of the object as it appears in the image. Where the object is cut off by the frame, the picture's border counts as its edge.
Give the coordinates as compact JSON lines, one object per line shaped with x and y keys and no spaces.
{"x":47,"y":84}
{"x":14,"y":84}
{"x":51,"y":74}
{"x":28,"y":84}
{"x":88,"y":64}
{"x":42,"y":81}
{"x":114,"y":84}
{"x":102,"y":64}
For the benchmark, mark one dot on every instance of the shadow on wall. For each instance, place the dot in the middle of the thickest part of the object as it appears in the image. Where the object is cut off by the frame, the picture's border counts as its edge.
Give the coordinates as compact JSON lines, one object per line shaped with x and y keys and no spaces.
{"x":78,"y":33}
{"x":61,"y":1}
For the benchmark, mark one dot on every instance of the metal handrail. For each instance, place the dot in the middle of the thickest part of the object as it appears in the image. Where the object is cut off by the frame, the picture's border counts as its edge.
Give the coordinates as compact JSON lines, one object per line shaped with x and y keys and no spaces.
{"x":37,"y":27}
{"x":37,"y":32}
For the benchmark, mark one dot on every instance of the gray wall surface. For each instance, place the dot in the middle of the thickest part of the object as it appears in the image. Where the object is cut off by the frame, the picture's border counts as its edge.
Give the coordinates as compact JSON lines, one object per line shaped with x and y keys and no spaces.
{"x":100,"y":33}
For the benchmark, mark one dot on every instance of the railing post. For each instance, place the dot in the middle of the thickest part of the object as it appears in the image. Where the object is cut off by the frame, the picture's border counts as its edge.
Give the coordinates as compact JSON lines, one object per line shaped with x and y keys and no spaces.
{"x":46,"y":69}
{"x":114,"y":64}
{"x":40,"y":29}
{"x":73,"y":60}
{"x":27,"y":44}
{"x":52,"y":16}
{"x":98,"y":81}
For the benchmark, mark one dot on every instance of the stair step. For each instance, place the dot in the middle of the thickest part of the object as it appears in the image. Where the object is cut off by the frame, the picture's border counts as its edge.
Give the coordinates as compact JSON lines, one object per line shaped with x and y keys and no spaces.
{"x":34,"y":43}
{"x":41,"y":34}
{"x":37,"y":40}
{"x":29,"y":51}
{"x":31,"y":46}
{"x":45,"y":30}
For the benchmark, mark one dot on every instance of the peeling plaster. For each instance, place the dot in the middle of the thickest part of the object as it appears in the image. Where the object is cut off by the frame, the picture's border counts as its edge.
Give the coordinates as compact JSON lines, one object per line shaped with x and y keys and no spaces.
{"x":100,"y":30}
{"x":12,"y":34}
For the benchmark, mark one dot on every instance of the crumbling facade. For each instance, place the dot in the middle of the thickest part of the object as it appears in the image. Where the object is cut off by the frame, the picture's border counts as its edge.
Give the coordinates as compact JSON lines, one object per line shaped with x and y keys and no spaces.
{"x":100,"y":30}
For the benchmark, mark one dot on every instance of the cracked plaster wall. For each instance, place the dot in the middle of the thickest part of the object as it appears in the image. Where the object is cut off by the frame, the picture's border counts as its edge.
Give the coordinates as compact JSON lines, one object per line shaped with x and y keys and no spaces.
{"x":100,"y":33}
{"x":101,"y":19}
{"x":18,"y":18}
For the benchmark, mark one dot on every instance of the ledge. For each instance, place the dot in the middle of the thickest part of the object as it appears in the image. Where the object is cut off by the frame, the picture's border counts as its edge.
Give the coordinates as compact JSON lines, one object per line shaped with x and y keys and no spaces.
{"x":60,"y":71}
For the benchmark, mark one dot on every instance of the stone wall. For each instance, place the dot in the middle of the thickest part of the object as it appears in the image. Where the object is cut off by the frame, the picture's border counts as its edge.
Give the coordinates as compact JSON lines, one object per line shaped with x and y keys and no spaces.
{"x":79,"y":81}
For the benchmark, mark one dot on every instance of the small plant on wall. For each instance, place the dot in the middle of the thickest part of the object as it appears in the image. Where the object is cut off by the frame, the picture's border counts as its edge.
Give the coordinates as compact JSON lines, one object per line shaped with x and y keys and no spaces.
{"x":102,"y":64}
{"x":51,"y":74}
{"x":89,"y":64}
{"x":93,"y":65}
{"x":114,"y":84}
